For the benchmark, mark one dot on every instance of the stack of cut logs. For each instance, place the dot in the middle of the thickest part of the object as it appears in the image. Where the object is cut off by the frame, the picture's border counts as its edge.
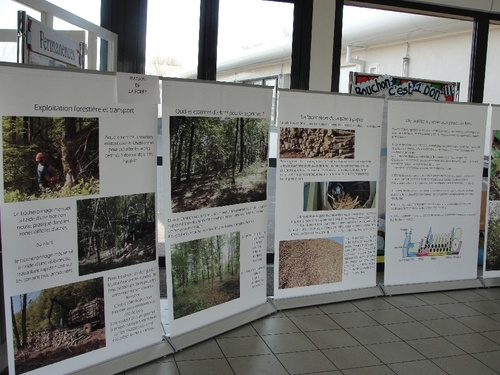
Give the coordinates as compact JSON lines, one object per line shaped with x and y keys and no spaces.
{"x":56,"y":338}
{"x":318,"y":143}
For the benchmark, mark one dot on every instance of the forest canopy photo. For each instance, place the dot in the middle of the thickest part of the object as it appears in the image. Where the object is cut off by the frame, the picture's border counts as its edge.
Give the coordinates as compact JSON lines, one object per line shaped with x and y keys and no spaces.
{"x":217,"y":162}
{"x":58,"y":323}
{"x":493,"y":239}
{"x":205,"y":273}
{"x":49,"y":157}
{"x":115,"y":232}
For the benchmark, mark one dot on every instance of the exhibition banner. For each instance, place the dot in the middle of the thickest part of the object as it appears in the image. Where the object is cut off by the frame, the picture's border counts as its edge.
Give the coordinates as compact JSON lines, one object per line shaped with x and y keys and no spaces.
{"x":77,"y":221}
{"x":434,"y":183}
{"x":491,"y":264}
{"x":215,"y":181}
{"x":326,"y":193}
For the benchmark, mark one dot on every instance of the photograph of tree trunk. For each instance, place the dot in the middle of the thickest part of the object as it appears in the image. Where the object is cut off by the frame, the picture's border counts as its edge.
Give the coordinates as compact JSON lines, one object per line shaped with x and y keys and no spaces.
{"x":49,"y":157}
{"x":115,"y":232}
{"x":493,"y":239}
{"x":58,"y":323}
{"x":217,"y":162}
{"x":205,"y":273}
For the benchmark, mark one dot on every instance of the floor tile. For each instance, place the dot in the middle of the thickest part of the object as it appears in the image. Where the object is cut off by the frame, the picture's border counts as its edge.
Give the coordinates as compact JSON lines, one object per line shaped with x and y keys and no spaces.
{"x":411,"y":330}
{"x":243,"y":331}
{"x":271,"y":326}
{"x":205,"y":350}
{"x":205,"y":367}
{"x":372,"y":335}
{"x":447,"y":326}
{"x":491,"y":293}
{"x":389,"y":316}
{"x":473,"y":343}
{"x":394,"y":352}
{"x":493,"y":336}
{"x":243,"y":346}
{"x":424,"y":312}
{"x":463,"y":365}
{"x":252,"y":365}
{"x":371,"y":370}
{"x":353,"y":319}
{"x":467,"y":295}
{"x":485,"y":307}
{"x":331,"y":339}
{"x":417,"y":368}
{"x":405,"y":301}
{"x":154,"y":368}
{"x":457,"y":309}
{"x":490,"y":359}
{"x":338,"y":308}
{"x":368,"y":304}
{"x":288,"y":342}
{"x":306,"y":362}
{"x":437,"y":298}
{"x":314,"y":323}
{"x":435,"y":347}
{"x":481,"y":323}
{"x":351,"y":357}
{"x":304,"y":311}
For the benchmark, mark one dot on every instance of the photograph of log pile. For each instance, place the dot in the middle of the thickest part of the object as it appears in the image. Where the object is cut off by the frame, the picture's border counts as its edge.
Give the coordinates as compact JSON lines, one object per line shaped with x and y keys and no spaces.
{"x":322,"y":143}
{"x":310,"y":262}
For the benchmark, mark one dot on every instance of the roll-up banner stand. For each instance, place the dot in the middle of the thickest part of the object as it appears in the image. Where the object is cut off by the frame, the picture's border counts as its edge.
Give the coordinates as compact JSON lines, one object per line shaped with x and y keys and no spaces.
{"x":216,"y":137}
{"x":389,"y":86}
{"x":326,"y":198}
{"x":434,"y":183}
{"x":78,"y":214}
{"x":42,"y":45}
{"x":491,"y":258}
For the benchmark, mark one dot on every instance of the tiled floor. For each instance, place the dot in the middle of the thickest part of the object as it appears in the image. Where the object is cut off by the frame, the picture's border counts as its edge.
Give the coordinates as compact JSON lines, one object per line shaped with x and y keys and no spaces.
{"x":453,"y":332}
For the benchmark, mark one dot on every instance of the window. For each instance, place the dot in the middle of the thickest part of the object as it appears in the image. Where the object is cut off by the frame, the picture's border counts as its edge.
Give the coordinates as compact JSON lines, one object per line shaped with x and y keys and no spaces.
{"x":492,"y":78}
{"x":172,"y":38}
{"x":405,"y":44}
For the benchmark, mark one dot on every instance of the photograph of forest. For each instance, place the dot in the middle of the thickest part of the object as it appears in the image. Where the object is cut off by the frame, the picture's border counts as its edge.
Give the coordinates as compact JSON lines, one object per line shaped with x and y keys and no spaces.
{"x":115,"y":232}
{"x":217,"y":162}
{"x":493,"y":239}
{"x":205,"y":273}
{"x":58,"y":323}
{"x":49,"y":157}
{"x":495,"y":167}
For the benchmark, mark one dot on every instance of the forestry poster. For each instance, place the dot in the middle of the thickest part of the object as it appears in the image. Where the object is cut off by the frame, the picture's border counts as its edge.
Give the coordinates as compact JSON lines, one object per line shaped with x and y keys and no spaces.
{"x":78,"y":182}
{"x":434,"y":183}
{"x":216,"y":136}
{"x":491,"y":264}
{"x":326,"y":193}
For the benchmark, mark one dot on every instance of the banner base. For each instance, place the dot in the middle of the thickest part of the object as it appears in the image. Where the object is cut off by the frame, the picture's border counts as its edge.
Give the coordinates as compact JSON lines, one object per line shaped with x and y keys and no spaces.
{"x":491,"y":282}
{"x":321,"y":299}
{"x":129,"y":360}
{"x":204,"y":333}
{"x":390,"y":290}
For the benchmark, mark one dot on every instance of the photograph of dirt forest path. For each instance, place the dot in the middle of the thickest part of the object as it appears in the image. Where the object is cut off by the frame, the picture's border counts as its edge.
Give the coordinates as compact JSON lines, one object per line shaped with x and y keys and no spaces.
{"x":217,"y":162}
{"x":205,"y":273}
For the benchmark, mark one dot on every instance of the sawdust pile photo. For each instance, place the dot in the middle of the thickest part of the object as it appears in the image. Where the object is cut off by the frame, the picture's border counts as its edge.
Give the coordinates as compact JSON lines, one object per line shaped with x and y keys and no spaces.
{"x":310,"y":262}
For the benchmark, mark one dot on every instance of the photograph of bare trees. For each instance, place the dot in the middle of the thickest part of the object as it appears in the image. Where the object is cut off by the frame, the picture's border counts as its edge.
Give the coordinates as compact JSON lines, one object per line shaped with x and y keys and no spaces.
{"x":217,"y":162}
{"x":115,"y":232}
{"x":58,"y":323}
{"x":50,"y":157}
{"x":205,"y":273}
{"x":317,"y":143}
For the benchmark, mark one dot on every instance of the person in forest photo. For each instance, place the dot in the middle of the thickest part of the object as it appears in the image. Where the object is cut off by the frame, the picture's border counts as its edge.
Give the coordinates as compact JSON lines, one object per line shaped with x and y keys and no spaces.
{"x":48,"y":176}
